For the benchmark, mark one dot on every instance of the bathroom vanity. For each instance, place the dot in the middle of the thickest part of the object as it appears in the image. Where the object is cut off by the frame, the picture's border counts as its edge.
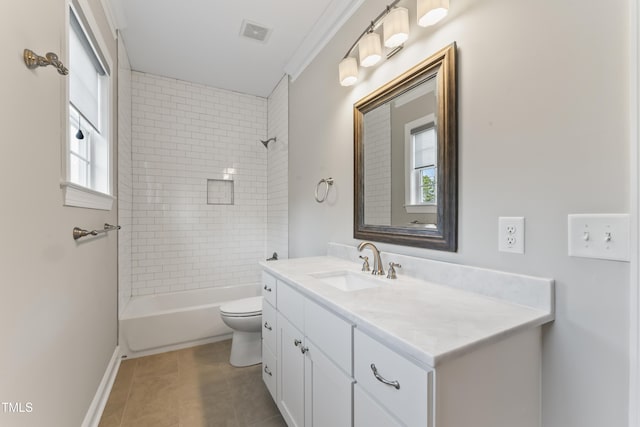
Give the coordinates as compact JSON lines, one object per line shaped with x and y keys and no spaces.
{"x":452,"y":346}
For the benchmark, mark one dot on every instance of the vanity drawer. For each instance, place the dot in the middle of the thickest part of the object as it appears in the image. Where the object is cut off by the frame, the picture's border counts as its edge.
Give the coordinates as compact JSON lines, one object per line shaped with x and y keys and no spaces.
{"x":269,"y":325}
{"x":269,"y":370}
{"x":368,"y":413}
{"x":291,"y":305}
{"x":330,"y":333}
{"x":410,"y":402}
{"x":269,"y":288}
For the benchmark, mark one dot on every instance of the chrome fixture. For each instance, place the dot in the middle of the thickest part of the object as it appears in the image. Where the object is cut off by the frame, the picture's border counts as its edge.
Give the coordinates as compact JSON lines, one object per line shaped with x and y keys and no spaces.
{"x":395,"y":23}
{"x":377,"y":262}
{"x":266,"y":143}
{"x":394,"y":384}
{"x":79,"y":232}
{"x":392,"y":271}
{"x":365,"y":264}
{"x":328,"y":182}
{"x":274,"y":257}
{"x":33,"y":60}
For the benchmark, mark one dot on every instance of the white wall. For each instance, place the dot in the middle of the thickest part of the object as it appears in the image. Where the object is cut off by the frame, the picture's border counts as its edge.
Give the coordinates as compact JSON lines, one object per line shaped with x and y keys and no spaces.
{"x":278,"y":171}
{"x":125,"y":189}
{"x":542,"y":133}
{"x":183,"y":134}
{"x":57,"y":297}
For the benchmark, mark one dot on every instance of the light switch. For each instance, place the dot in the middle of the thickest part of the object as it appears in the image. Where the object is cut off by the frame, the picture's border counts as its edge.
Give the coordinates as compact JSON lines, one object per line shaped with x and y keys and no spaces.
{"x":602,"y":236}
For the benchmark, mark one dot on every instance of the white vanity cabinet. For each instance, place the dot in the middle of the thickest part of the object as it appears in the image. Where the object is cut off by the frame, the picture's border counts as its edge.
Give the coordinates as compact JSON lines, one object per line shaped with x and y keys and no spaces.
{"x":403,"y":389}
{"x":497,"y":385}
{"x":412,"y":354}
{"x":269,"y":331}
{"x":314,"y":383}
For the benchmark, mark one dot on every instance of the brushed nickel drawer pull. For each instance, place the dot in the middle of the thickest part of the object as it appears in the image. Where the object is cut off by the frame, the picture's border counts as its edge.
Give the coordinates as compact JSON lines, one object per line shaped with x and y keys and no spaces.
{"x":266,"y":288}
{"x":268,"y":371}
{"x":297,"y":342}
{"x":266,"y":325}
{"x":304,"y":349}
{"x":380,"y":378}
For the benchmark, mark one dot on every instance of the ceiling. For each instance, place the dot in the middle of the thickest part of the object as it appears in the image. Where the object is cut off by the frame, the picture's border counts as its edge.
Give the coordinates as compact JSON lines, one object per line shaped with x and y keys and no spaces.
{"x":200,"y":41}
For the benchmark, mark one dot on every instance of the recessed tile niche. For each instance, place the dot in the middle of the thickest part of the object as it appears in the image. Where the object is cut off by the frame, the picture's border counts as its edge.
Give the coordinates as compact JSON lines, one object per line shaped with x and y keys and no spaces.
{"x":219,"y":192}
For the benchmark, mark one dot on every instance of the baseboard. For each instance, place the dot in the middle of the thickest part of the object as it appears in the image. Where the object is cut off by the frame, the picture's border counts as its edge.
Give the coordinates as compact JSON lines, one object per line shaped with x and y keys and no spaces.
{"x":92,"y":419}
{"x":128,"y":354}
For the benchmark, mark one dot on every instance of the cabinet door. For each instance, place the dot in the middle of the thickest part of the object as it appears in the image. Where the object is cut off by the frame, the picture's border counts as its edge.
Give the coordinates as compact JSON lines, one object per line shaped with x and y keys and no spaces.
{"x":328,"y":391}
{"x":269,"y":323}
{"x":290,"y":388}
{"x":269,"y":370}
{"x":368,"y":413}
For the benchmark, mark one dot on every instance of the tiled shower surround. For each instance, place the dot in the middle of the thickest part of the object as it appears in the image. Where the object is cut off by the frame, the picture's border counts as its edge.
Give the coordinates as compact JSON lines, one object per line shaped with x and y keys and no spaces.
{"x":278,"y":171}
{"x":182,"y":135}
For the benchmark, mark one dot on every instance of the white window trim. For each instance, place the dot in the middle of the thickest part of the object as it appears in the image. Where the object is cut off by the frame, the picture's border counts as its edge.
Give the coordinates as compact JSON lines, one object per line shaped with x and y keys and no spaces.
{"x":83,"y":197}
{"x":413,"y":208}
{"x":73,"y":194}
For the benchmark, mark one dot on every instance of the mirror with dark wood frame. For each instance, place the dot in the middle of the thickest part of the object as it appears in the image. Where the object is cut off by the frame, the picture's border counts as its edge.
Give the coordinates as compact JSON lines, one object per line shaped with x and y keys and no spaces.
{"x":405,"y":153}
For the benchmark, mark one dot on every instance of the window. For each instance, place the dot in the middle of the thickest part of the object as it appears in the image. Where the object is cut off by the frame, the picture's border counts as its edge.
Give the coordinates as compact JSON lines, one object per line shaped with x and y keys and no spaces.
{"x":421,"y":170}
{"x":88,"y":146}
{"x":424,"y":165}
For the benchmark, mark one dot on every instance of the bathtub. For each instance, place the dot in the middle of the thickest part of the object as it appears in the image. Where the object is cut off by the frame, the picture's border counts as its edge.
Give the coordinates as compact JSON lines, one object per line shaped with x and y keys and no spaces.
{"x":157,"y":323}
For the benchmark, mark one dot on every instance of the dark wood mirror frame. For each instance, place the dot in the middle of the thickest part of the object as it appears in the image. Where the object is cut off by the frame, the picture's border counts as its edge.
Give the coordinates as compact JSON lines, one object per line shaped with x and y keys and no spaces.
{"x":445,"y":236}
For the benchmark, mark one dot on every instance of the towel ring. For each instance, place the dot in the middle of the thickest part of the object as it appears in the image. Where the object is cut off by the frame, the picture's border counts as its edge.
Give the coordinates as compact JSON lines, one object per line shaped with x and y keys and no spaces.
{"x":328,"y":182}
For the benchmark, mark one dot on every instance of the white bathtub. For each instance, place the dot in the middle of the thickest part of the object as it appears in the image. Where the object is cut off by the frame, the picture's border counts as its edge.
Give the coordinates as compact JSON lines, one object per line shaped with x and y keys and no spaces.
{"x":157,"y":323}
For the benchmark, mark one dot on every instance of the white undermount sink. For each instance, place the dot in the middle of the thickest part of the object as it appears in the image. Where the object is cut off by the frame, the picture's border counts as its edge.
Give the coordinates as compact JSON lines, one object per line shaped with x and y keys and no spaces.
{"x":347,"y":281}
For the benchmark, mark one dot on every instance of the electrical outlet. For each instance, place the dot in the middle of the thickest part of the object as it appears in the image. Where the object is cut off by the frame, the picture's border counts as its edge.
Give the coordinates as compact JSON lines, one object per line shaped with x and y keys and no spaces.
{"x":511,"y":234}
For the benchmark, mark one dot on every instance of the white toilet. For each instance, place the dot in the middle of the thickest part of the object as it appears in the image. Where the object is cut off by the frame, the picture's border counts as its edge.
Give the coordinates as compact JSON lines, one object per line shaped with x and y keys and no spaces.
{"x":244,"y":316}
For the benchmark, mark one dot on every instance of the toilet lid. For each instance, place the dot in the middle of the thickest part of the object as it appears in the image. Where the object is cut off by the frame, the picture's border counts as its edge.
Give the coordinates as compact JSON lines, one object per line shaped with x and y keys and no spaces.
{"x":243,"y":307}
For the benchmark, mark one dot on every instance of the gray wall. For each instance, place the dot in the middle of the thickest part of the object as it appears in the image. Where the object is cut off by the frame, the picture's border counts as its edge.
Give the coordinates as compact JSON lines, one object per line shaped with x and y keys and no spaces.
{"x":543,"y":129}
{"x":58,"y":298}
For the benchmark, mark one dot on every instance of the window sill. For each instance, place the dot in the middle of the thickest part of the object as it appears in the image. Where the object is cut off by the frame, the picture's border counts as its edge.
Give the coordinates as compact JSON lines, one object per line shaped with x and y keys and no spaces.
{"x":82,"y":197}
{"x":421,"y":208}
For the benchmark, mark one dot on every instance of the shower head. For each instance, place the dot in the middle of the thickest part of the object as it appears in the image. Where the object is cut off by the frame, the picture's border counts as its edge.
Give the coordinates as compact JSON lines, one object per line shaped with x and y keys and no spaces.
{"x":266,"y":143}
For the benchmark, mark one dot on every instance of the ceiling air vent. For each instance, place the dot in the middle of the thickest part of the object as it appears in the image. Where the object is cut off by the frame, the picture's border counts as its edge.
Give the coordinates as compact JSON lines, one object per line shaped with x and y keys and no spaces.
{"x":255,"y":31}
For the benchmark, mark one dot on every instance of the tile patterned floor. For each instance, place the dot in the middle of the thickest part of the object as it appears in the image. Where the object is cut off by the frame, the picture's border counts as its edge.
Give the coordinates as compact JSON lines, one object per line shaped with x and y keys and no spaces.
{"x":194,"y":387}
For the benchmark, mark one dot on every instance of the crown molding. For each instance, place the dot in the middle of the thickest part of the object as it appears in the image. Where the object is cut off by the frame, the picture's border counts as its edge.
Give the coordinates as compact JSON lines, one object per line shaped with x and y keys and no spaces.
{"x":332,"y":19}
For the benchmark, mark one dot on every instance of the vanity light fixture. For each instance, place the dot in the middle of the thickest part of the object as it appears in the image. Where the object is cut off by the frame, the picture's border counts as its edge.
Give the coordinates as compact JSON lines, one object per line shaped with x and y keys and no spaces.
{"x":348,"y":69}
{"x":369,"y":49}
{"x":395,"y":27}
{"x":431,"y":12}
{"x":395,"y":32}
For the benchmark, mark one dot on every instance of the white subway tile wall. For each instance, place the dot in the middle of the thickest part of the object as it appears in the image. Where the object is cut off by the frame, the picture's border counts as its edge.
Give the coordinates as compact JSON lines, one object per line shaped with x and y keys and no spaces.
{"x":183,"y":134}
{"x":377,"y":158}
{"x":278,"y":171}
{"x":125,"y":190}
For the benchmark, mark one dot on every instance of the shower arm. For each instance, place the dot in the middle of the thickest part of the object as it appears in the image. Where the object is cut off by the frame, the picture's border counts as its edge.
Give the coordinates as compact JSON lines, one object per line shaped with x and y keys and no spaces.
{"x":266,"y":143}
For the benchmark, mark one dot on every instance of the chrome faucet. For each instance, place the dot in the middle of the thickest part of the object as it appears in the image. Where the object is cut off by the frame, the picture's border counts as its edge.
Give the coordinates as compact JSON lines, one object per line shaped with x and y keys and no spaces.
{"x":377,"y":262}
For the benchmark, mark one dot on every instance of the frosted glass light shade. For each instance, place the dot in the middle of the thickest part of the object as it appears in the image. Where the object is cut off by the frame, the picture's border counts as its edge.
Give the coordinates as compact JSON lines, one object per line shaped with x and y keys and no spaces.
{"x":348,"y":70}
{"x":370,"y":50}
{"x":396,"y":27}
{"x":431,"y":11}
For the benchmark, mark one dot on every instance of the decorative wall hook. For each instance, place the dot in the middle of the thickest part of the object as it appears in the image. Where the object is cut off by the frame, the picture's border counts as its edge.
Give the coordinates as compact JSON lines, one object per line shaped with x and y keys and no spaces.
{"x":33,"y":60}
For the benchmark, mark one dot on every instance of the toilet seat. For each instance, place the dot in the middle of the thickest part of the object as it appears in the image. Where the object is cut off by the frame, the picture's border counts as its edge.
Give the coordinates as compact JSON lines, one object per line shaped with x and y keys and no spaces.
{"x":246,"y":307}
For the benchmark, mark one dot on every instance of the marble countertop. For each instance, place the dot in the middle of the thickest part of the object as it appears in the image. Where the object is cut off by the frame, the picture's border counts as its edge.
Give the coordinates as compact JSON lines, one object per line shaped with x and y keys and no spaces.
{"x":425,"y":321}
